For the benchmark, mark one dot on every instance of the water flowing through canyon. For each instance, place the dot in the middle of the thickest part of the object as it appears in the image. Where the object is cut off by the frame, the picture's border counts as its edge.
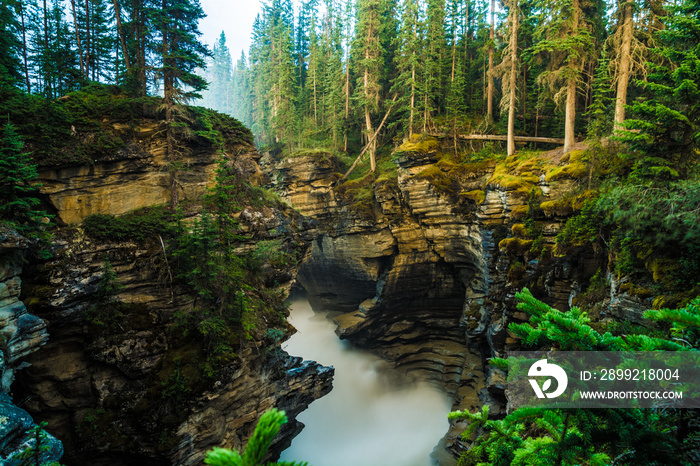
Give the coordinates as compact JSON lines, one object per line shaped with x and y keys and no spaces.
{"x":374,"y":416}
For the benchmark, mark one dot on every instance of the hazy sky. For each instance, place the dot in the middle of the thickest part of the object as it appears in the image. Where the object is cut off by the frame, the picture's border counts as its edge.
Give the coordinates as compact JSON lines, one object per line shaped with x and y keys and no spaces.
{"x":235,"y":18}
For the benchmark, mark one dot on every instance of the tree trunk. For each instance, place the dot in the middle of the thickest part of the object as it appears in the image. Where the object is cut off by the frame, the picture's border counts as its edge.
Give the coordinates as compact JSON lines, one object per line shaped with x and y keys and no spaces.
{"x":120,"y":30}
{"x":570,"y":114}
{"x":368,"y":120}
{"x":625,"y":59}
{"x":413,"y":99}
{"x":77,"y":37}
{"x":489,"y":96}
{"x":315,"y":98}
{"x":140,"y":52}
{"x":452,"y":84}
{"x":169,"y":104}
{"x":87,"y":39}
{"x":502,"y":137}
{"x":371,"y":141}
{"x":347,"y":106}
{"x":513,"y":76}
{"x":426,"y":112}
{"x":46,"y":48}
{"x":24,"y":47}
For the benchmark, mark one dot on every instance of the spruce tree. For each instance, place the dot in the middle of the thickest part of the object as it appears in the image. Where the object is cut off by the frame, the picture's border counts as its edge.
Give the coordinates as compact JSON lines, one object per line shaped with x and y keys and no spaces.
{"x":565,"y":43}
{"x":333,"y":76}
{"x":369,"y":62}
{"x":407,"y":63}
{"x":17,"y":174}
{"x":538,"y":436}
{"x":277,"y":83}
{"x":181,"y":53}
{"x":666,"y":130}
{"x":218,"y":74}
{"x":454,"y":100}
{"x":10,"y":45}
{"x":434,"y":59}
{"x":103,"y":42}
{"x":241,"y":92}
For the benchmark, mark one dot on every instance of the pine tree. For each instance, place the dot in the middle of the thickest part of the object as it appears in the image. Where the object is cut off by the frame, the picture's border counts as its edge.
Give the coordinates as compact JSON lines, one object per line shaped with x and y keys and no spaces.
{"x":305,"y":26}
{"x":509,"y":69}
{"x":218,"y":74}
{"x":17,"y":175}
{"x":241,"y":93}
{"x":311,"y":98}
{"x":454,"y":100}
{"x":102,"y":42}
{"x":64,"y":73}
{"x":369,"y":64}
{"x":669,"y":133}
{"x":538,"y":436}
{"x":565,"y":43}
{"x":408,"y":66}
{"x":138,"y":33}
{"x":626,"y":11}
{"x":434,"y":60}
{"x":55,"y":69}
{"x":181,"y":53}
{"x":349,"y":12}
{"x":571,"y":331}
{"x":21,"y":9}
{"x":277,"y":80}
{"x":39,"y":445}
{"x":490,"y":73}
{"x":254,"y":453}
{"x":598,"y":111}
{"x":10,"y":68}
{"x":333,"y":76}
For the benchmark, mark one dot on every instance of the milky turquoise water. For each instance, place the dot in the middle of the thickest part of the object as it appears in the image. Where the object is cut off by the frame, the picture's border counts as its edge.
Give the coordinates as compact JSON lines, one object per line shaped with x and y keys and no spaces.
{"x":373,"y":416}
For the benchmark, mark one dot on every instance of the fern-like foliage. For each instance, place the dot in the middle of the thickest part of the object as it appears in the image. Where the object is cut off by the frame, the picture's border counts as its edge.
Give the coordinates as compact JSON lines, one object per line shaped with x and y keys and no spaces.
{"x":685,"y":323}
{"x":570,"y":331}
{"x":258,"y":445}
{"x":532,"y":436}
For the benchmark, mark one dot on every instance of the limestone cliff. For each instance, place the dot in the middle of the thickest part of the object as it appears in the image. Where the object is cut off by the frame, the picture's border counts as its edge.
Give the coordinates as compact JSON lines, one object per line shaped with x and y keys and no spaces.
{"x":426,"y":270}
{"x":137,"y":175}
{"x":131,"y":385}
{"x":102,"y":392}
{"x":22,"y":334}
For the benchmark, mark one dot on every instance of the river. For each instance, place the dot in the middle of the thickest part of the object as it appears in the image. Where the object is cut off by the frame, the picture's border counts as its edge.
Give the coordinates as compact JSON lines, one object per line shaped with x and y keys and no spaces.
{"x":373,"y":416}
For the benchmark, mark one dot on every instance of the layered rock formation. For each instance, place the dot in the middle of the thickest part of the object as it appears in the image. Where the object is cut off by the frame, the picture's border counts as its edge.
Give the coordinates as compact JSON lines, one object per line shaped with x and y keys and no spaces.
{"x":99,"y":390}
{"x":424,"y":278}
{"x":134,"y":176}
{"x":130,"y":390}
{"x":22,"y":334}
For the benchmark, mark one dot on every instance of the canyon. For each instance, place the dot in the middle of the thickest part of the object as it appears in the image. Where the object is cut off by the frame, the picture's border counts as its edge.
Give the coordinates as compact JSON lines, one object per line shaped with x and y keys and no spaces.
{"x":422,"y":271}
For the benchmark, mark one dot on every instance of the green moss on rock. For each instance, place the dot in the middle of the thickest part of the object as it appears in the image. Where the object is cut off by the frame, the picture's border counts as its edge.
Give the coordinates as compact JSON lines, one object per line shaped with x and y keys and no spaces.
{"x":476,"y":195}
{"x":420,"y":143}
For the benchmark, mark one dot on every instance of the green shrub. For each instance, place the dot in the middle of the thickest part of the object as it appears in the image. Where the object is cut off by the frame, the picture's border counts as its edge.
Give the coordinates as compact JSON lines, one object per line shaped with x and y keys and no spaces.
{"x":135,"y":226}
{"x":255,"y":452}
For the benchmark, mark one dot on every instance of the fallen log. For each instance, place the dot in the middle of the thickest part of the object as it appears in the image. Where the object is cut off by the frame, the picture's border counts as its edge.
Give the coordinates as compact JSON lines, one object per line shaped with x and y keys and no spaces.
{"x":498,"y":137}
{"x":357,"y":160}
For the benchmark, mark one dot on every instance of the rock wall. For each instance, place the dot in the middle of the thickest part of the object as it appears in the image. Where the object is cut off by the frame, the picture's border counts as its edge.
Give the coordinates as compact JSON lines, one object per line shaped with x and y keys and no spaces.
{"x":104,"y":392}
{"x":136,"y":175}
{"x":423,"y":281}
{"x":99,"y":390}
{"x":21,"y":334}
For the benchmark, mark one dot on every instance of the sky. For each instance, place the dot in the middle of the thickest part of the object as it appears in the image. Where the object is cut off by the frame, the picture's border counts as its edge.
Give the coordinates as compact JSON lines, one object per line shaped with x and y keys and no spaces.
{"x":235,"y":18}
